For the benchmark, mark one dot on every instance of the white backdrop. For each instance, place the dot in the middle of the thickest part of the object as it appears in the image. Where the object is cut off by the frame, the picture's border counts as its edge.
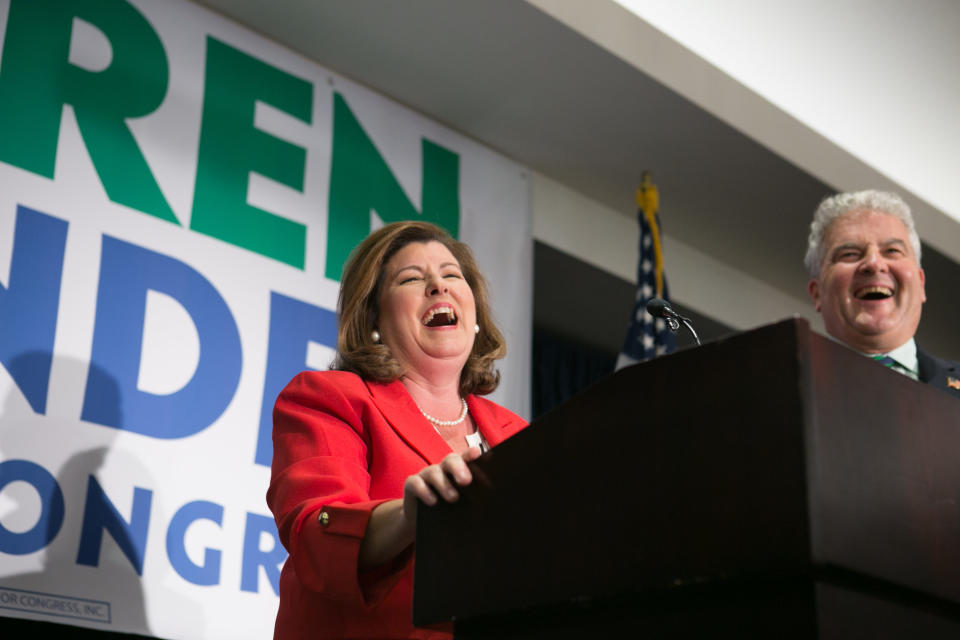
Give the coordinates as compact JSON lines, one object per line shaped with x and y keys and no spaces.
{"x":172,"y":188}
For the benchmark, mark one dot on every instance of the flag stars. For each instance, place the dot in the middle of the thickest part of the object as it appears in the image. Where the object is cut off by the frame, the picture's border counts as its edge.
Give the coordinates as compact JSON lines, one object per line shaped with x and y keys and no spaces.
{"x":646,"y":266}
{"x":646,"y":290}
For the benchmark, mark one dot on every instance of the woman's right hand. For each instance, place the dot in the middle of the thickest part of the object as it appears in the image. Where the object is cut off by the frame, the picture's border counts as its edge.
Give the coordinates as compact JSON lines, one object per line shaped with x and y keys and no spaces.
{"x":393,"y":524}
{"x":437,"y":482}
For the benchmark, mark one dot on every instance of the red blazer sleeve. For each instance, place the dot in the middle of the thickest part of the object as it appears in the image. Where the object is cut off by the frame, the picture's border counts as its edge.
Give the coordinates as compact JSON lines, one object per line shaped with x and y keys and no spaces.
{"x":320,"y":464}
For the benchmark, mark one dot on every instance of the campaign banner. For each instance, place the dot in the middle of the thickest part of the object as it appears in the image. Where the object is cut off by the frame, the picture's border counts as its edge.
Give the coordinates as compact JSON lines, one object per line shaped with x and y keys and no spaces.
{"x":177,"y":198}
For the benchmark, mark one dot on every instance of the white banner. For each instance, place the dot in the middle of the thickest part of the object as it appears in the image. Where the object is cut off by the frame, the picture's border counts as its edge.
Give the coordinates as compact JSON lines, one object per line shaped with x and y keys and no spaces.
{"x":177,"y":197}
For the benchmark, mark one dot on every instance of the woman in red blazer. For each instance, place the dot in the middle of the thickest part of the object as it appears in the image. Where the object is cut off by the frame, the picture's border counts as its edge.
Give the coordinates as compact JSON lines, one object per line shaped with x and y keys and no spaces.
{"x":356,"y":449}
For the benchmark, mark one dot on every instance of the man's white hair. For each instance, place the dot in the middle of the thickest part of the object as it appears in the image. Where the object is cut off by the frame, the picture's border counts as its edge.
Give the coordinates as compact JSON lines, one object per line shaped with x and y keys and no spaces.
{"x":844,"y":204}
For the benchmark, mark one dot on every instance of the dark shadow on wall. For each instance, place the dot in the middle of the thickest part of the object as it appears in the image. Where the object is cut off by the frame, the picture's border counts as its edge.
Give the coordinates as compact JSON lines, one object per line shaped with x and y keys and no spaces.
{"x":22,"y":434}
{"x":562,"y":367}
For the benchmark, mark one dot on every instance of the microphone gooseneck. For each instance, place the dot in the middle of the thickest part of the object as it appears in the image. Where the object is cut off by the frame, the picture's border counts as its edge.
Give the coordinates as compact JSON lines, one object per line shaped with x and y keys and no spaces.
{"x":659,"y":308}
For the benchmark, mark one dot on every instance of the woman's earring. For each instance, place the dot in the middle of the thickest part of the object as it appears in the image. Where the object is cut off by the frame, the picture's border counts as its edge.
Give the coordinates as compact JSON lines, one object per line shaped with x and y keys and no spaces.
{"x":375,"y":336}
{"x":476,"y":328}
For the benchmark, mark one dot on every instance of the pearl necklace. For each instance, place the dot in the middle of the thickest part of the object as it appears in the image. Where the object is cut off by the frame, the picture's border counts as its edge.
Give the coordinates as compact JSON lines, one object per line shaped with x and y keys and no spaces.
{"x":446,"y":423}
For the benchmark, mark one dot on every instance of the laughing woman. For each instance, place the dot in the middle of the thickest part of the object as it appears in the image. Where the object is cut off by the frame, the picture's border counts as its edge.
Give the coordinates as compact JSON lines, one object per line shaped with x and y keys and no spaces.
{"x":357,"y":449}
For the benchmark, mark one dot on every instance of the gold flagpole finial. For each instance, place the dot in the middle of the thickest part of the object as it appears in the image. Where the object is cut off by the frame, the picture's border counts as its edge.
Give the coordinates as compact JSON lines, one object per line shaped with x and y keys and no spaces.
{"x":648,"y":198}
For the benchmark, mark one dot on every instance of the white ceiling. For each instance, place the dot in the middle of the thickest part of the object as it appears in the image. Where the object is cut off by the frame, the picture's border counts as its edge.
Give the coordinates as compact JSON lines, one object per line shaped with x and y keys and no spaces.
{"x":876,"y":77}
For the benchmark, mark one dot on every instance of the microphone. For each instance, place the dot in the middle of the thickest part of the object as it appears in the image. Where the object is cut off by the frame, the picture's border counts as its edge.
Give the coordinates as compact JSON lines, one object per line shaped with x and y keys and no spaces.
{"x":659,"y":308}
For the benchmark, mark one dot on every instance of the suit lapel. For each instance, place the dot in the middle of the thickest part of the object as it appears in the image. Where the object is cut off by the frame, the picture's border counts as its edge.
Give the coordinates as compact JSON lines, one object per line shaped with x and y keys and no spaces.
{"x":495,"y":428}
{"x":938,"y":373}
{"x":926,"y":367}
{"x":402,"y":414}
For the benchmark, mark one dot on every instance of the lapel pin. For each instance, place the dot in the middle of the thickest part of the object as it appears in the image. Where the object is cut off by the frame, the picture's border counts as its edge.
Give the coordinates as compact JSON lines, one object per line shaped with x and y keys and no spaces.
{"x":953,"y":383}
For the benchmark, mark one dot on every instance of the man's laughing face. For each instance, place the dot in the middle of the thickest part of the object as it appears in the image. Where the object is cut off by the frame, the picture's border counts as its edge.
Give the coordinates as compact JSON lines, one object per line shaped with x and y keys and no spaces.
{"x":870,"y":288}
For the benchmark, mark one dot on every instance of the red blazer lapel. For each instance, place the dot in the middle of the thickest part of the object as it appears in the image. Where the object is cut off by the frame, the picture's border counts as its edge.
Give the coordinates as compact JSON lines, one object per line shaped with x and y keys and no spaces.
{"x":495,"y":423}
{"x":402,"y":414}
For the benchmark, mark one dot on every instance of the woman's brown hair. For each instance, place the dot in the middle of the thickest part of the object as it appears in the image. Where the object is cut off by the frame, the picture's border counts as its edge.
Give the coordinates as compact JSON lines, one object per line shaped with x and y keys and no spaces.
{"x":358,"y":309}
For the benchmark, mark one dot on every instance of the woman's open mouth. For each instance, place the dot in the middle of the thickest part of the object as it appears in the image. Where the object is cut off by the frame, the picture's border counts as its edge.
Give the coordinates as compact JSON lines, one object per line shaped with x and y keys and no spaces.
{"x":439,"y":316}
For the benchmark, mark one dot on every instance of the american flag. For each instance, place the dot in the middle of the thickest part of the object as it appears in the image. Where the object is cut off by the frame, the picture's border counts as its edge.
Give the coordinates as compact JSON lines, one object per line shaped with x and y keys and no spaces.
{"x":647,"y":337}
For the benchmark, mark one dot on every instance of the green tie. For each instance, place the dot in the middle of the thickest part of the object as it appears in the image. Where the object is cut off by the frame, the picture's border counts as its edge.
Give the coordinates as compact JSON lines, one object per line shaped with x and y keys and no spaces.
{"x":886,"y":361}
{"x":890,"y":363}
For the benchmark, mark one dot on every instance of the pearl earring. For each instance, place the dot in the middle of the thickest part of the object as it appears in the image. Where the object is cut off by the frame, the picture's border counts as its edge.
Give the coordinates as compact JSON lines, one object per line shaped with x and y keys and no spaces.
{"x":476,"y":328}
{"x":375,"y":336}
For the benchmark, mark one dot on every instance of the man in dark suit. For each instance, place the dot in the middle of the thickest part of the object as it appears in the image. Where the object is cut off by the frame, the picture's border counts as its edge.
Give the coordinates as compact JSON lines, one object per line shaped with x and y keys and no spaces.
{"x":863,"y":257}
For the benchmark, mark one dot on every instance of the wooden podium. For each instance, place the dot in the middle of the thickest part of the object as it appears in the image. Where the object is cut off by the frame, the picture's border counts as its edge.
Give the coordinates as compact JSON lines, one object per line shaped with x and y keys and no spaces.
{"x":772,"y":484}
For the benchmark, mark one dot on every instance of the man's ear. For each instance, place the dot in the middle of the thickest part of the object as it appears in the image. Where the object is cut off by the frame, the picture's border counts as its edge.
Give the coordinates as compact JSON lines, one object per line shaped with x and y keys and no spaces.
{"x":813,"y":288}
{"x":923,"y":286}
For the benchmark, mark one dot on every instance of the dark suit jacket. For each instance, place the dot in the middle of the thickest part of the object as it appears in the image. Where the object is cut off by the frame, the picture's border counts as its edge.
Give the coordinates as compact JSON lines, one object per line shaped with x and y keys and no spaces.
{"x":342,"y":446}
{"x":938,"y":372}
